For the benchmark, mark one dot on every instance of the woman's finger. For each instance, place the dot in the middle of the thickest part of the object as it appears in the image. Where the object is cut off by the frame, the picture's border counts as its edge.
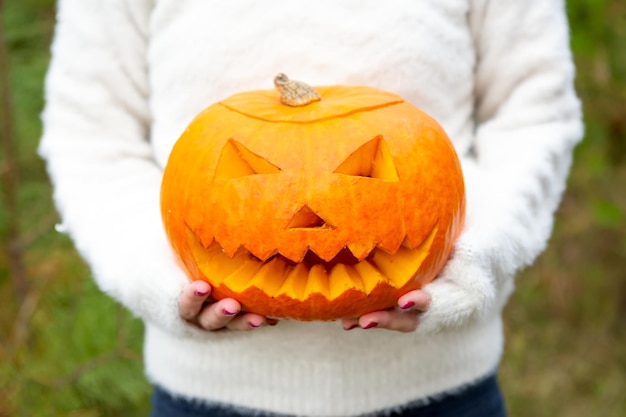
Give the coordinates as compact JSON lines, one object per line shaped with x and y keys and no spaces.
{"x":401,"y":321}
{"x":349,"y":324}
{"x":404,"y":319}
{"x":417,"y":300}
{"x":249,"y":321}
{"x":192,"y":299}
{"x":218,"y":315}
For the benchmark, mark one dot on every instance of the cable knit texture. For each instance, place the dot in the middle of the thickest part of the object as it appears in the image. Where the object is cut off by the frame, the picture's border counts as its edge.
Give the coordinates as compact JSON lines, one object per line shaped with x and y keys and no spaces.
{"x":128,"y":75}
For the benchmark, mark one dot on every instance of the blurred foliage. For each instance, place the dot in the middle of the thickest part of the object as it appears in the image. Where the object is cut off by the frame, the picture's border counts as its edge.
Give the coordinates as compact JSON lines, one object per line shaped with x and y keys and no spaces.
{"x":68,"y":350}
{"x":65,"y":350}
{"x":566,"y":332}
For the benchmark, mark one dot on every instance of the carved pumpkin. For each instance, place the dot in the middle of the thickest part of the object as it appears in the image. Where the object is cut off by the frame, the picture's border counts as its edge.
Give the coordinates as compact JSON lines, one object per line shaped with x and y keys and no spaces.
{"x":328,"y":209}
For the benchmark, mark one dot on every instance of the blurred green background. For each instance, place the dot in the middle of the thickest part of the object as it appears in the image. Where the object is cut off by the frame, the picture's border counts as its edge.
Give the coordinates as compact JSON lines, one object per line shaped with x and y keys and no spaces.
{"x":67,"y":350}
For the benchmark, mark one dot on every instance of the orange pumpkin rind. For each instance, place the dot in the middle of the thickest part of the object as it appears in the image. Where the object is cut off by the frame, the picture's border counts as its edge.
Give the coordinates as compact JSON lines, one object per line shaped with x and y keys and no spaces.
{"x":319,"y":212}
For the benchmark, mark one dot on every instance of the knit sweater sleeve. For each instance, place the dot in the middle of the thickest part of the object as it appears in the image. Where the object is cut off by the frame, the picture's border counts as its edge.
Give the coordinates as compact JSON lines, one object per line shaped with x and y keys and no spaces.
{"x":528,"y":121}
{"x":96,"y":145}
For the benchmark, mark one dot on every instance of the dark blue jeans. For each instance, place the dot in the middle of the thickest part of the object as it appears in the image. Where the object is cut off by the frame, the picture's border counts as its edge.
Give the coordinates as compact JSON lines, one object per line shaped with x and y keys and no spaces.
{"x":481,"y":400}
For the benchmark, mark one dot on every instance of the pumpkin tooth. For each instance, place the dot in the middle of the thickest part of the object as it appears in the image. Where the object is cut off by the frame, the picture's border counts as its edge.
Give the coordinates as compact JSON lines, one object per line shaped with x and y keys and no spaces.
{"x":317,"y":282}
{"x":343,"y":278}
{"x":216,"y":265}
{"x":327,"y":253}
{"x":238,"y":280}
{"x":398,"y":268}
{"x":360,"y":250}
{"x":262,"y":254}
{"x":295,"y":282}
{"x":416,"y":240}
{"x":210,"y":253}
{"x":404,"y":264}
{"x":205,"y":241}
{"x":294,"y":253}
{"x":391,"y":243}
{"x":197,"y":245}
{"x":406,"y":243}
{"x":271,"y":276}
{"x":229,"y":248}
{"x":211,"y":260}
{"x":370,"y":276}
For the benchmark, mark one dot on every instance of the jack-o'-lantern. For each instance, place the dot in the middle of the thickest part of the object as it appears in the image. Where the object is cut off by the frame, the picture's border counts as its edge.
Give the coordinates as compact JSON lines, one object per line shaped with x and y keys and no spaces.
{"x":313,"y":204}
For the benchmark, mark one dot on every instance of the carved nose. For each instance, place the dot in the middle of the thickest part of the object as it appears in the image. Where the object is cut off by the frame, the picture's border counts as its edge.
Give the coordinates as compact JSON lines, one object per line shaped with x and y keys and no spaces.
{"x":306,"y":218}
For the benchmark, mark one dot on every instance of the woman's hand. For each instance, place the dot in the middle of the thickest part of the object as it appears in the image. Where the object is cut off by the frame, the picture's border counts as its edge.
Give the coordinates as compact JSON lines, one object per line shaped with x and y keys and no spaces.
{"x":196,"y":307}
{"x":405,"y":318}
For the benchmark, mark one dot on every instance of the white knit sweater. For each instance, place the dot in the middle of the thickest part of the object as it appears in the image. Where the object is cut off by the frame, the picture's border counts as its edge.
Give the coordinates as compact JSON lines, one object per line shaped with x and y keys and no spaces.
{"x":128,"y":75}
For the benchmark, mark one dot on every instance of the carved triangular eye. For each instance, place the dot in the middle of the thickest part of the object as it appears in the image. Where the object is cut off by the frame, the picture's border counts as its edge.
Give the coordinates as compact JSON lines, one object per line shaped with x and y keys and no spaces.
{"x":306,"y":218}
{"x":238,"y":161}
{"x":371,"y":160}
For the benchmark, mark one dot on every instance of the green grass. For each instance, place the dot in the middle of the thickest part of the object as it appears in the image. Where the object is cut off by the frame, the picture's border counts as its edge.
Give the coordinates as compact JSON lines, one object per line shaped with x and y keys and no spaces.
{"x":65,"y":350}
{"x":68,"y":350}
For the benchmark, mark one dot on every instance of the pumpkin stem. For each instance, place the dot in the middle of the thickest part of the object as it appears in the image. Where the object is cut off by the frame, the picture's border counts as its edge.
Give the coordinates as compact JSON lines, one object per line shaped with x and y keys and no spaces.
{"x":295,"y":93}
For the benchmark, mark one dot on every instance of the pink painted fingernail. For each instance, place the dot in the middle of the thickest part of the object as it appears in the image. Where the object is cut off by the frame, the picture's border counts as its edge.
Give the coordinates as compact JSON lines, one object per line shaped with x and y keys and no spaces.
{"x":229,"y":313}
{"x":201,"y":293}
{"x":254,"y":325}
{"x":407,"y":305}
{"x":370,"y":325}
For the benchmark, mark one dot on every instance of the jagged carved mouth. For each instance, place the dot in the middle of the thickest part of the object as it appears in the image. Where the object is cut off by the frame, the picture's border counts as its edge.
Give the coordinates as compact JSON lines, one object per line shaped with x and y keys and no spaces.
{"x":278,"y":275}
